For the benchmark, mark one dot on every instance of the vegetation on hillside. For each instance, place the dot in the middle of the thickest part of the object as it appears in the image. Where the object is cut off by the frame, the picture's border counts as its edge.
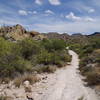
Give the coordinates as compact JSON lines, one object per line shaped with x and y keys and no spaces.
{"x":30,"y":55}
{"x":89,"y":54}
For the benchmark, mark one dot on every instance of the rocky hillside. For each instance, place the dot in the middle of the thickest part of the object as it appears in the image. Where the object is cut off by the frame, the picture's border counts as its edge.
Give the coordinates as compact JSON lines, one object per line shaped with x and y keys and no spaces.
{"x":70,"y":39}
{"x":16,"y":32}
{"x":55,"y":35}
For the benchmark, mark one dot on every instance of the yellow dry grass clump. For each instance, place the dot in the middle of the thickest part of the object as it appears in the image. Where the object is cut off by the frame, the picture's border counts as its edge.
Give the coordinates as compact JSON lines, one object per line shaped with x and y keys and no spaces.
{"x":26,"y":77}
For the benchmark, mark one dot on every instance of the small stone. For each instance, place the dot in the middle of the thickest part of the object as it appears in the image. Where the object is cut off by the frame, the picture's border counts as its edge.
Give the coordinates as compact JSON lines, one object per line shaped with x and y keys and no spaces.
{"x":28,"y":88}
{"x":29,"y":96}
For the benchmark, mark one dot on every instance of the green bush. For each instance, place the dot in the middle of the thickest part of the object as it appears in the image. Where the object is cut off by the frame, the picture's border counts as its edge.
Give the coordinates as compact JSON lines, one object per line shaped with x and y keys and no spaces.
{"x":29,"y":47}
{"x":54,"y":44}
{"x":22,"y":56}
{"x":44,"y":57}
{"x":10,"y":66}
{"x":11,"y":60}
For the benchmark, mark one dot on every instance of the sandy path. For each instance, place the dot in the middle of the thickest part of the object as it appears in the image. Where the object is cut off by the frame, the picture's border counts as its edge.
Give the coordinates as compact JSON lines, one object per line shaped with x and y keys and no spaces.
{"x":67,"y":84}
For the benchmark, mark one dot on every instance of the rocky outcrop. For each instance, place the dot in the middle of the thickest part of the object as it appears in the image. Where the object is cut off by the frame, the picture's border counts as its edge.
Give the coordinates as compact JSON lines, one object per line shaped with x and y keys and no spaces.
{"x":34,"y":33}
{"x":16,"y":32}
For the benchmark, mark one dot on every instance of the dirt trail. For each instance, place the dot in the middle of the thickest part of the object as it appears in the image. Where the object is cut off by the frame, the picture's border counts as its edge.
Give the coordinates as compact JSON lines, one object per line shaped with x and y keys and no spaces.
{"x":66,"y":84}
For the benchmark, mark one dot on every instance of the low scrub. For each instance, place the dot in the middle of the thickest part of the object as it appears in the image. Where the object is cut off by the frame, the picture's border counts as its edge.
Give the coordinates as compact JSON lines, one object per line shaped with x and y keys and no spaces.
{"x":81,"y":98}
{"x":45,"y":68}
{"x":26,"y":77}
{"x":3,"y":98}
{"x":23,"y":56}
{"x":92,"y":78}
{"x":89,"y":54}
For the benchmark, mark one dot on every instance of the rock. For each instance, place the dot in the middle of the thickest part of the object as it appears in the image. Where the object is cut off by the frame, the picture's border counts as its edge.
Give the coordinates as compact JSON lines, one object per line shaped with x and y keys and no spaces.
{"x":44,"y":78}
{"x":27,"y":86}
{"x":26,"y":83}
{"x":34,"y":33}
{"x":16,"y":32}
{"x":29,"y":96}
{"x":35,"y":72}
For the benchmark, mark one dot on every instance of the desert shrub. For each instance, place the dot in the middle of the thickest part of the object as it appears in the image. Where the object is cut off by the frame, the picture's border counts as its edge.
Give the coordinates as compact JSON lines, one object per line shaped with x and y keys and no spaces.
{"x":25,"y":77}
{"x":29,"y":47}
{"x":44,"y":57}
{"x":96,"y":56}
{"x":55,"y":57}
{"x":22,"y":56}
{"x":51,"y":69}
{"x":5,"y":80}
{"x":81,"y":98}
{"x":5,"y":47}
{"x":58,"y":44}
{"x":60,"y":64}
{"x":3,"y":97}
{"x":10,"y":65}
{"x":54,"y":44}
{"x":11,"y":60}
{"x":64,"y":56}
{"x":93,"y":78}
{"x":89,"y":55}
{"x":45,"y":68}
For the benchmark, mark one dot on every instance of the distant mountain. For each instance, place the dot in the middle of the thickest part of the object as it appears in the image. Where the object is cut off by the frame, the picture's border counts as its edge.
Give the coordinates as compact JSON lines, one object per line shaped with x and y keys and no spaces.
{"x":18,"y":32}
{"x":77,"y":34}
{"x":54,"y":35}
{"x":95,"y":34}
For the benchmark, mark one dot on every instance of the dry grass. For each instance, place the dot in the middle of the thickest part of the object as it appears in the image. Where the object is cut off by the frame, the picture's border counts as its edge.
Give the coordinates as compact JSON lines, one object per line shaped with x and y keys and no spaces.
{"x":45,"y":68}
{"x":26,"y":77}
{"x":81,"y":98}
{"x":93,"y":78}
{"x":5,"y":80}
{"x":52,"y":69}
{"x":2,"y":97}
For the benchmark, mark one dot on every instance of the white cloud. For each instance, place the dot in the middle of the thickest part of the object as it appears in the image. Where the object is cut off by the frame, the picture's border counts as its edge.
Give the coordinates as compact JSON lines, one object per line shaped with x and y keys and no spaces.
{"x":72,"y":16}
{"x":91,"y":10}
{"x":49,"y":12}
{"x":39,"y":2}
{"x":35,"y":12}
{"x":23,"y":12}
{"x":32,"y":12}
{"x":89,"y":19}
{"x":70,"y":27}
{"x":55,"y":2}
{"x":81,"y":6}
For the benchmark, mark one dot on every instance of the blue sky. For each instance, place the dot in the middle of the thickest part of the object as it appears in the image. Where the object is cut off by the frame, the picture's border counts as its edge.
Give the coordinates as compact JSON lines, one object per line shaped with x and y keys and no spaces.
{"x":70,"y":16}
